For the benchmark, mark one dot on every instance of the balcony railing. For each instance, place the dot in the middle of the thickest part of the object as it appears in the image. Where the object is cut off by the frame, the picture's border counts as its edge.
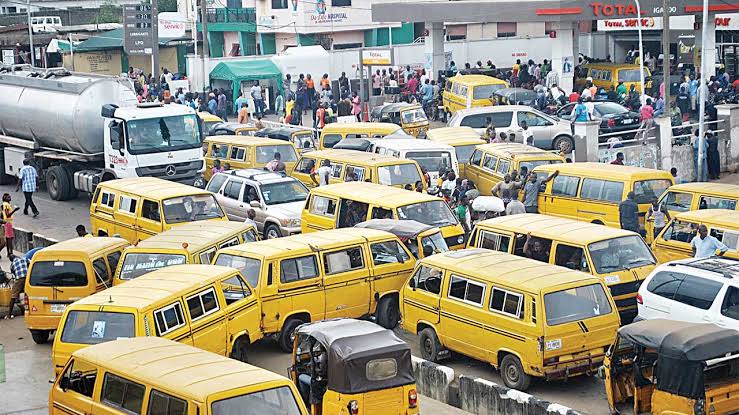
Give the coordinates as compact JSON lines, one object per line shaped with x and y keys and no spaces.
{"x":230,"y":15}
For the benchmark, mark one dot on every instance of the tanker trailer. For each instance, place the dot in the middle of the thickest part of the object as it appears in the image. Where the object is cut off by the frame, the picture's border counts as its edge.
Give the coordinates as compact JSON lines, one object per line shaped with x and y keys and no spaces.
{"x":79,"y":129}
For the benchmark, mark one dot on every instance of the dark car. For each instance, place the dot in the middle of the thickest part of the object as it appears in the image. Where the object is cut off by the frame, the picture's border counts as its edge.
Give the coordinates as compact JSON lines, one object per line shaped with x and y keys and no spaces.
{"x":515,"y":96}
{"x":613,"y":118}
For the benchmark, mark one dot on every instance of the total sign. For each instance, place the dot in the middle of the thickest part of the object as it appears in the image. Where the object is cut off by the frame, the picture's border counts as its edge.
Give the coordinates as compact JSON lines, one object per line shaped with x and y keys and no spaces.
{"x":727,"y":22}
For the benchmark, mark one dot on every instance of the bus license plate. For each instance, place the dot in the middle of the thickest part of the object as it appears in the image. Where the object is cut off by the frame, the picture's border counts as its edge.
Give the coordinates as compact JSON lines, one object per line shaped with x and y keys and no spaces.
{"x":58,"y":308}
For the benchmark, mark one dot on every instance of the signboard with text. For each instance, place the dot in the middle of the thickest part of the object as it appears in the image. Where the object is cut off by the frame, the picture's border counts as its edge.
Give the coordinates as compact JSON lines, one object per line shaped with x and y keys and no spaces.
{"x":376,"y":57}
{"x":138,"y":25}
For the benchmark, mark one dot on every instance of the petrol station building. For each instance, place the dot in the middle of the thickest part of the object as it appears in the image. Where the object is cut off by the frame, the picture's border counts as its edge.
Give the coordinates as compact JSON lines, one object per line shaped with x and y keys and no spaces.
{"x":600,"y":28}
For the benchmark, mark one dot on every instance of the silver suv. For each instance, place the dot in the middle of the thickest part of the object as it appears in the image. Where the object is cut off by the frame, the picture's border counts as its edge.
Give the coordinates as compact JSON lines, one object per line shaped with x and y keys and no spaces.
{"x":276,"y":199}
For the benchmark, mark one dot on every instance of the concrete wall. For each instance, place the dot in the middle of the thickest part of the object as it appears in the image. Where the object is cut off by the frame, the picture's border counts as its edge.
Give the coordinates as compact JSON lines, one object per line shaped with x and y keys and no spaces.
{"x":482,"y":397}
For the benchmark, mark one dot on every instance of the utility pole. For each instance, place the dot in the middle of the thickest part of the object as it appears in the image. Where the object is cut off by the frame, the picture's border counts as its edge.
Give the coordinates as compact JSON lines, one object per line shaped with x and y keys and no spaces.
{"x":205,"y":51}
{"x":666,"y":52}
{"x":702,"y":89}
{"x":155,"y":41}
{"x":30,"y":33}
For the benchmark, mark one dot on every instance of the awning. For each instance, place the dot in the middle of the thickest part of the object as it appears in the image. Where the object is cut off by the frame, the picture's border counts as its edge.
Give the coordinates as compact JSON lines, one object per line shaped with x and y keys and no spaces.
{"x":61,"y":46}
{"x":246,"y":70}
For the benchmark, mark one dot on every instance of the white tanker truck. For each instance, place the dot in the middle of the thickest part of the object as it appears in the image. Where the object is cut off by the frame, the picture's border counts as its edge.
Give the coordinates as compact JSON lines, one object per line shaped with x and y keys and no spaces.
{"x":79,"y":129}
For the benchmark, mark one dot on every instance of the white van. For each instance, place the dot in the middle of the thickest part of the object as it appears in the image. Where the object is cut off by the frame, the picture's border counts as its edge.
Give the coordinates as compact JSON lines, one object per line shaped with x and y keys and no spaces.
{"x":431,"y":155}
{"x":45,"y":24}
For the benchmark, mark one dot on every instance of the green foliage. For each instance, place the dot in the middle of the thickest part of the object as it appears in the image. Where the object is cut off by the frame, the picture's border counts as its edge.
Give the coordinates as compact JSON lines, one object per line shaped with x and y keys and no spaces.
{"x":110,"y":13}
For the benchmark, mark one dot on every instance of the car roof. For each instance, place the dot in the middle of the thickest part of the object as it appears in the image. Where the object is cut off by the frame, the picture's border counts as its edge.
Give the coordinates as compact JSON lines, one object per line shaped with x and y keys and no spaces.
{"x":725,"y":270}
{"x":244,"y":140}
{"x":454,"y":134}
{"x":256,"y":175}
{"x":87,"y":246}
{"x":152,"y":187}
{"x":156,"y":286}
{"x":197,"y":235}
{"x":721,"y":217}
{"x":607,"y":171}
{"x":380,"y":127}
{"x":348,"y":156}
{"x":307,"y":242}
{"x":492,"y":109}
{"x":707,"y":187}
{"x":555,"y":228}
{"x":515,"y":271}
{"x":369,"y":192}
{"x":476,"y":79}
{"x":410,"y":144}
{"x":194,"y":373}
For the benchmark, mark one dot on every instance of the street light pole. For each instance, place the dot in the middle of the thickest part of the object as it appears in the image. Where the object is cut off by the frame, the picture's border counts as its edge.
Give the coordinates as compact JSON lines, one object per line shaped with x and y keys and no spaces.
{"x":642,"y":97}
{"x":30,"y":33}
{"x":702,"y":96}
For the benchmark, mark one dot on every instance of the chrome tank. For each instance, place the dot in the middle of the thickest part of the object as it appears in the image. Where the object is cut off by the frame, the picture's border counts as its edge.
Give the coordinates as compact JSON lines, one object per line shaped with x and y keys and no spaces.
{"x":61,"y":112}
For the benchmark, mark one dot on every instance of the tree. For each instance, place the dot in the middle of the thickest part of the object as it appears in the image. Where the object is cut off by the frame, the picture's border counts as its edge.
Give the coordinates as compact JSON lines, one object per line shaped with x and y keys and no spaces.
{"x":110,"y":13}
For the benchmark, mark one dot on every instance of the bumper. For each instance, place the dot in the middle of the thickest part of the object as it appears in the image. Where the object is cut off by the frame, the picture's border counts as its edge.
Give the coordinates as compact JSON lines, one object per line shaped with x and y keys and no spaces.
{"x":289,"y":231}
{"x":42,"y":321}
{"x":565,"y":370}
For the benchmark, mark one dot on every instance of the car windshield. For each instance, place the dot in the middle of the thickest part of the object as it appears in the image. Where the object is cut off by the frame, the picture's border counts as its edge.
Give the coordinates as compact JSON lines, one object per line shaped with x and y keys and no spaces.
{"x":93,"y":327}
{"x":485,"y":91}
{"x":413,"y":116}
{"x":576,"y":304}
{"x":265,"y":154}
{"x":436,"y":242}
{"x":646,"y":191}
{"x":58,"y":274}
{"x":138,"y":264}
{"x":630,"y":75}
{"x":621,"y":253}
{"x":304,"y":141}
{"x":530,"y":164}
{"x":433,"y":212}
{"x":464,"y":153}
{"x":191,"y":208}
{"x":398,"y":174}
{"x":605,"y":108}
{"x":249,"y":267}
{"x":156,"y":135}
{"x":277,"y":401}
{"x":433,"y":160}
{"x":283,"y":192}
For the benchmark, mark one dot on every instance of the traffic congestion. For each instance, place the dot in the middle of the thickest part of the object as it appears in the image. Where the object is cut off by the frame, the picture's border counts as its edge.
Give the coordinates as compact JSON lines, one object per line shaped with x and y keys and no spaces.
{"x":356,"y":248}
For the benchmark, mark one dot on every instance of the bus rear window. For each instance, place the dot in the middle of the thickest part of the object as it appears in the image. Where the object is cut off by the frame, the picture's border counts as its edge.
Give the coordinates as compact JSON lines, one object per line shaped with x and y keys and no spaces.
{"x":58,"y":274}
{"x":576,"y":304}
{"x":93,"y":327}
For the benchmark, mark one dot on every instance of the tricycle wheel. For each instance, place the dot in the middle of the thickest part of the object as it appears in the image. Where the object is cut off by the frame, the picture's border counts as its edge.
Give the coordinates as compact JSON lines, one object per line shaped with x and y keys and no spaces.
{"x":388,"y":313}
{"x":430,"y":345}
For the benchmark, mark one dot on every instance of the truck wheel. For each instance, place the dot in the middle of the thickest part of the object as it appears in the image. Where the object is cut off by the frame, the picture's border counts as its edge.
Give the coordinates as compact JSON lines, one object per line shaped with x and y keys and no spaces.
{"x":271,"y":231}
{"x":388,"y":313}
{"x":73,"y":192}
{"x":57,"y":183}
{"x":40,"y":336}
{"x":430,"y":345}
{"x":512,"y":373}
{"x":285,"y":340}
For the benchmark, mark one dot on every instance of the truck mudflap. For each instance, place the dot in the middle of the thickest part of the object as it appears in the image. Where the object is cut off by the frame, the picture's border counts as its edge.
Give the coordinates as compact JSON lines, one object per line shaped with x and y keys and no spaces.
{"x":583,"y":366}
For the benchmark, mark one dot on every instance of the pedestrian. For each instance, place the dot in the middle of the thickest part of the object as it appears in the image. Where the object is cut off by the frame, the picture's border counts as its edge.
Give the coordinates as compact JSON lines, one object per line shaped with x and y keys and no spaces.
{"x":276,"y":165}
{"x":462,"y":212}
{"x":343,"y":82}
{"x":310,"y":91}
{"x":212,"y":104}
{"x":514,"y":206}
{"x":243,"y":113}
{"x":18,"y":272}
{"x":701,"y":174}
{"x":528,"y":135}
{"x":619,"y":161}
{"x":239,"y":102}
{"x":356,"y":106}
{"x":376,"y":83}
{"x":82,"y":232}
{"x":258,"y":123}
{"x":659,"y":215}
{"x":531,"y":191}
{"x":256,"y":96}
{"x":8,"y":211}
{"x":505,"y":188}
{"x":323,"y":173}
{"x":279,"y":106}
{"x":325,"y":82}
{"x":28,"y":181}
{"x":250,"y":215}
{"x":221,"y":105}
{"x":712,"y":156}
{"x":693,"y":85}
{"x":300,"y":93}
{"x":704,"y":245}
{"x":216,"y":167}
{"x":628,"y":213}
{"x":580,"y":112}
{"x":287,"y":87}
{"x":321,"y":116}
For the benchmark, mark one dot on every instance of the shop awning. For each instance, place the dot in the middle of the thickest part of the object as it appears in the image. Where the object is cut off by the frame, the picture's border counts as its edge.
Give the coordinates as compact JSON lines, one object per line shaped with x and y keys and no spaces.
{"x":247,"y":70}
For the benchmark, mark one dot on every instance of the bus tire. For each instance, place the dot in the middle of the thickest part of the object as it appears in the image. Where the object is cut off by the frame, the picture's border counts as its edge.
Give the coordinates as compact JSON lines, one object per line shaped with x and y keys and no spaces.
{"x":240,"y":349}
{"x":430,"y":345}
{"x":285,"y":340}
{"x":512,"y":373}
{"x":388,"y":313}
{"x":40,"y":336}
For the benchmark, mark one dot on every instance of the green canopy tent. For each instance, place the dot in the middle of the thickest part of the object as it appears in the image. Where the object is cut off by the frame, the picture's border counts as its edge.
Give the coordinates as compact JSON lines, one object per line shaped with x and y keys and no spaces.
{"x":247,"y":70}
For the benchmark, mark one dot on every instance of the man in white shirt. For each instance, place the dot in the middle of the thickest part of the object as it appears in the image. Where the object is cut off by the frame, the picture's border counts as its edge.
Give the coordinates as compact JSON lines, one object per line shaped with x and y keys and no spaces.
{"x":528,"y":135}
{"x":552,"y":79}
{"x":250,"y":215}
{"x":323,"y":173}
{"x":590,"y":107}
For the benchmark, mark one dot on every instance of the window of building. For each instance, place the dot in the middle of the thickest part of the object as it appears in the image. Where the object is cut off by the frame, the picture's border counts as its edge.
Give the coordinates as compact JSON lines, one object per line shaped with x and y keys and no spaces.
{"x":507,"y":29}
{"x":279,"y":4}
{"x":341,"y":3}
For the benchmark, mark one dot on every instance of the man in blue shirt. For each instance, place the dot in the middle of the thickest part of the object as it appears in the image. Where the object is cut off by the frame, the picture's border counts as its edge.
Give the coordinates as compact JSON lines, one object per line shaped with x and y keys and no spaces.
{"x":27,"y":179}
{"x":427,"y":92}
{"x":705,"y":245}
{"x":693,"y":92}
{"x":212,"y":104}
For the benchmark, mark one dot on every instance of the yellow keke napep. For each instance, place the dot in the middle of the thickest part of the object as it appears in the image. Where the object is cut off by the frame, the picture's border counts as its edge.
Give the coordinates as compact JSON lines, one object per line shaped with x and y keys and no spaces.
{"x":591,"y":192}
{"x":246,"y":152}
{"x":422,"y":240}
{"x":608,"y":75}
{"x":375,"y":168}
{"x":409,"y":116}
{"x":469,"y":91}
{"x":335,"y":132}
{"x":619,"y":258}
{"x":189,"y":243}
{"x":344,"y":205}
{"x":138,"y":208}
{"x":347,"y":366}
{"x":700,"y":195}
{"x":323,"y":275}
{"x":63,"y":273}
{"x":463,"y":139}
{"x":206,"y":306}
{"x":151,"y":375}
{"x":490,"y":163}
{"x":526,"y":318}
{"x":674,"y":240}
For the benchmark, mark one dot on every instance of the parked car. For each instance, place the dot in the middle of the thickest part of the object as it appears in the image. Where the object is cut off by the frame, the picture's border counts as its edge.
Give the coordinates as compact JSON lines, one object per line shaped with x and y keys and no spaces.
{"x":613,"y":118}
{"x":277,"y":200}
{"x":513,"y":96}
{"x":696,"y":291}
{"x":549,"y":132}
